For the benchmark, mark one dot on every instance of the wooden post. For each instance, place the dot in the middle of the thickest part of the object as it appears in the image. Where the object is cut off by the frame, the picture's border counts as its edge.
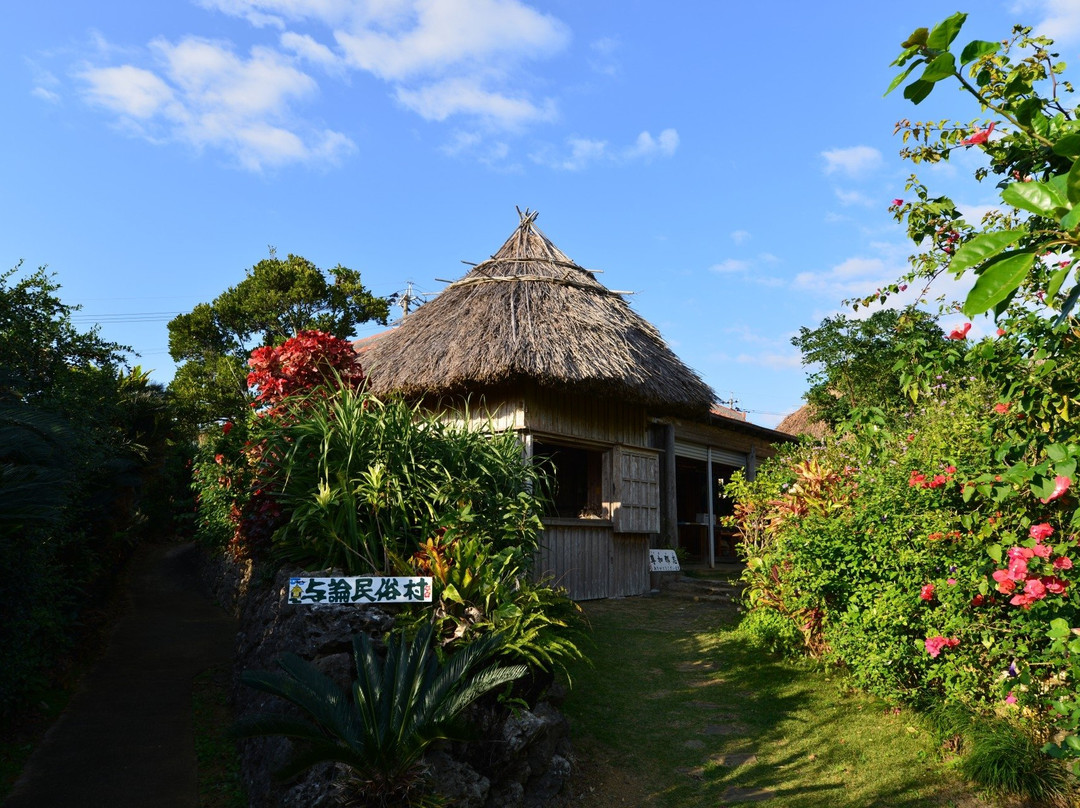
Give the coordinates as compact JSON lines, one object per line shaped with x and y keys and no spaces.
{"x":669,"y":524}
{"x":710,"y":486}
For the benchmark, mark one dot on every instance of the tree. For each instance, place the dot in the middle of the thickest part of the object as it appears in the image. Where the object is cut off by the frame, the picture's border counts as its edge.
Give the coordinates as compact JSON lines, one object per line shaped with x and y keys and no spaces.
{"x":277,"y":299}
{"x":41,"y":351}
{"x":81,"y":441}
{"x":1025,"y":252}
{"x":861,"y":362}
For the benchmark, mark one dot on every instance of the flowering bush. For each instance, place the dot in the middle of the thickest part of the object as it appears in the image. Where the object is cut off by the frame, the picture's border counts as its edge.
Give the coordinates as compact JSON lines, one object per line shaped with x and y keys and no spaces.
{"x":938,"y":581}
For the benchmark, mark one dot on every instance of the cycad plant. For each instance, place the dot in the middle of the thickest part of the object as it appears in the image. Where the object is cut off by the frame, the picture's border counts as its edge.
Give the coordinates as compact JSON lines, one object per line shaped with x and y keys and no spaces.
{"x":399,"y":705}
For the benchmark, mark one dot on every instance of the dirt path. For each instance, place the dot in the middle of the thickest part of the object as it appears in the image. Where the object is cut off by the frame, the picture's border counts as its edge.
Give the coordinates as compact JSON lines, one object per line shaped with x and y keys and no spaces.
{"x":126,"y":740}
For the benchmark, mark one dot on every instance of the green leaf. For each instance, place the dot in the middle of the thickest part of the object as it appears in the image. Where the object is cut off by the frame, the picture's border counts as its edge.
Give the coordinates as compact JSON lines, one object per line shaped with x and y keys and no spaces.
{"x":940,"y":68}
{"x":997,"y":282}
{"x":1071,"y":219}
{"x":994,"y":551}
{"x":917,"y":91}
{"x":896,"y":81}
{"x":1072,"y":183}
{"x":1066,"y":307}
{"x":450,"y":593}
{"x":1042,"y":487}
{"x":945,"y":32}
{"x":917,"y":39}
{"x":1066,"y":469}
{"x":976,"y":49}
{"x":1035,"y":197}
{"x":982,"y":247}
{"x":1057,"y":452}
{"x":1068,"y":146}
{"x":907,"y":53}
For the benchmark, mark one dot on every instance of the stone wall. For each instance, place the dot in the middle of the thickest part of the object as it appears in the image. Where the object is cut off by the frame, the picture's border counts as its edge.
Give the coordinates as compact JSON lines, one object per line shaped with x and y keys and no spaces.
{"x":519,"y":759}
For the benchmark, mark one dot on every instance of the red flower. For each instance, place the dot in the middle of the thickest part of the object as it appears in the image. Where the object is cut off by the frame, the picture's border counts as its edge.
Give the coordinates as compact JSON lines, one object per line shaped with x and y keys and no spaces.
{"x":1061,"y":485}
{"x":979,"y":137}
{"x":927,"y":592}
{"x":961,"y":332}
{"x":1063,"y":563}
{"x":1002,"y":408}
{"x":1051,"y":583}
{"x":978,"y":600}
{"x":1001,"y":332}
{"x":916,"y":479}
{"x":219,"y":459}
{"x":226,"y":428}
{"x":898,"y":202}
{"x":1041,"y":531}
{"x":935,"y":644}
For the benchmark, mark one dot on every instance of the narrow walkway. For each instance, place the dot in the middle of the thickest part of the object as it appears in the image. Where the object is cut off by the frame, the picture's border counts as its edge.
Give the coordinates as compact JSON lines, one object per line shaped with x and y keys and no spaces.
{"x":126,"y":739}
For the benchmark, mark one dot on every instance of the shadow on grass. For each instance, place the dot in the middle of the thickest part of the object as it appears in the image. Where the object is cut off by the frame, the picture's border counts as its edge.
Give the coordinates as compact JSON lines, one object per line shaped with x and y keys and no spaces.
{"x":678,"y":700}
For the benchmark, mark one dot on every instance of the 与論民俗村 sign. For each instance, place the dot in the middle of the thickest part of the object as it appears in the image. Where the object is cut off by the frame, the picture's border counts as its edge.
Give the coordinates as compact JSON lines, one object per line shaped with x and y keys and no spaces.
{"x":361,"y":589}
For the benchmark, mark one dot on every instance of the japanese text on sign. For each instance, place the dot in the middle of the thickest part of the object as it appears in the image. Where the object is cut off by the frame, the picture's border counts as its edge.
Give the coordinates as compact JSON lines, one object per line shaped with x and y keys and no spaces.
{"x":663,"y":561}
{"x":359,"y":590}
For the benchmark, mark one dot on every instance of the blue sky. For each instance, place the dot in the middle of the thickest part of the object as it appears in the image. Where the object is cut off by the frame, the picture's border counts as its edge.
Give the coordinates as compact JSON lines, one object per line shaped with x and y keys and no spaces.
{"x":732,"y":163}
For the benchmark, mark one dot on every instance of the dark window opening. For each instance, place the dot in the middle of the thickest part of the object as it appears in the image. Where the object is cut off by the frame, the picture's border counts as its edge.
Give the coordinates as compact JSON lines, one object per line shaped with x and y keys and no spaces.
{"x":692,"y":507}
{"x":577,"y":487}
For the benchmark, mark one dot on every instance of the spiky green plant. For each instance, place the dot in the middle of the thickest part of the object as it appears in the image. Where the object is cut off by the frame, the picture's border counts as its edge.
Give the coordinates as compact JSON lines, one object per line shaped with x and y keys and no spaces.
{"x":365,"y":481}
{"x":398,"y":706}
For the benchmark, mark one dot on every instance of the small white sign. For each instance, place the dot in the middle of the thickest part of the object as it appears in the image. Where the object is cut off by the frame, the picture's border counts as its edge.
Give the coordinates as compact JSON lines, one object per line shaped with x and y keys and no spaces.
{"x":663,"y":561}
{"x":366,"y":589}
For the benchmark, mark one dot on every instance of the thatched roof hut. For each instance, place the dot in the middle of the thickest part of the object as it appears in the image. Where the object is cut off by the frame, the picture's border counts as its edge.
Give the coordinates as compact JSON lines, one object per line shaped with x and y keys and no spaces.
{"x":804,"y":421}
{"x":530,"y":314}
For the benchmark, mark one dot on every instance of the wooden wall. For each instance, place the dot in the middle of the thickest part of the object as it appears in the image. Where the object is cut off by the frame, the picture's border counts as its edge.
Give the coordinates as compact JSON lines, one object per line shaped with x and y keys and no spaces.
{"x":592,"y":561}
{"x":585,"y":417}
{"x":630,"y":565}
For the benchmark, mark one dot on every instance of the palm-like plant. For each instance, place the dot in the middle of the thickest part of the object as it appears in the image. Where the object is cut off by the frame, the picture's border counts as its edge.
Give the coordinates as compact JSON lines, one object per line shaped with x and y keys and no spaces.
{"x":399,"y":705}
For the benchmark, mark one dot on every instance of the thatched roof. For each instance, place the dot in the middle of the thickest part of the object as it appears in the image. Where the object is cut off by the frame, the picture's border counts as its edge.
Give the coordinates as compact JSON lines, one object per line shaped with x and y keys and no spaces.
{"x":529,"y":313}
{"x":804,"y":421}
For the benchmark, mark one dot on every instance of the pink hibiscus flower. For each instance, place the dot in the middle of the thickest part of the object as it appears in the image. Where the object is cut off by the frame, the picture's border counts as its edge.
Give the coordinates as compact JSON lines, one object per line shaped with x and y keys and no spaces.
{"x":1061,"y":485}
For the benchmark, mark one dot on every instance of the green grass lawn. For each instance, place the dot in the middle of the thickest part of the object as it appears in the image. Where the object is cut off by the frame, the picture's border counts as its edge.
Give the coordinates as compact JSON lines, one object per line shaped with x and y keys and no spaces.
{"x":675,"y":703}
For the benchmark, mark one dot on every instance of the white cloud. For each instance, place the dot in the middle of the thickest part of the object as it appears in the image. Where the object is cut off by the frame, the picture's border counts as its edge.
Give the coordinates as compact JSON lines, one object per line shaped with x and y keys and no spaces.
{"x":494,"y":154}
{"x":740,"y":236}
{"x":1061,"y":21}
{"x":603,"y":59}
{"x":439,"y":101}
{"x":205,"y":95}
{"x":307,"y":48}
{"x":45,"y":95}
{"x":128,"y":90}
{"x":405,"y":40}
{"x":855,"y":161}
{"x":769,"y":359}
{"x":646,"y":147}
{"x":276,"y":13}
{"x":584,"y":151}
{"x":853,"y":198}
{"x":730,"y":265}
{"x":440,"y":59}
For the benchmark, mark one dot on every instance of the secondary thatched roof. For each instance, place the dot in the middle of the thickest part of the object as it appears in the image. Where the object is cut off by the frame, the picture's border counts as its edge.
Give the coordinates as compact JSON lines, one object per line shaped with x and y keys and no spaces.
{"x":529,"y":313}
{"x":804,"y":421}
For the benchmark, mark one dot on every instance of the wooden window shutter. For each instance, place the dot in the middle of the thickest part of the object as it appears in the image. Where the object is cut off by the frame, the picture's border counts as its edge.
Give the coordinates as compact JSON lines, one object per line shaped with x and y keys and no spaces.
{"x":636,"y":496}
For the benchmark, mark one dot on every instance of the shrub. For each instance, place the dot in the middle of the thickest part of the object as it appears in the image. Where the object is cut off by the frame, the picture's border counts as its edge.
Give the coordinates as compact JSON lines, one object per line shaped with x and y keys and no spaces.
{"x":399,"y":704}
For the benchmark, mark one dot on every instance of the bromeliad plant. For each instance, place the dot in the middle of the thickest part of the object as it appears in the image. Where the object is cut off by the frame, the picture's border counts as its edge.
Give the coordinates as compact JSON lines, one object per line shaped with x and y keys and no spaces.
{"x":378,"y":731}
{"x":482,"y":591}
